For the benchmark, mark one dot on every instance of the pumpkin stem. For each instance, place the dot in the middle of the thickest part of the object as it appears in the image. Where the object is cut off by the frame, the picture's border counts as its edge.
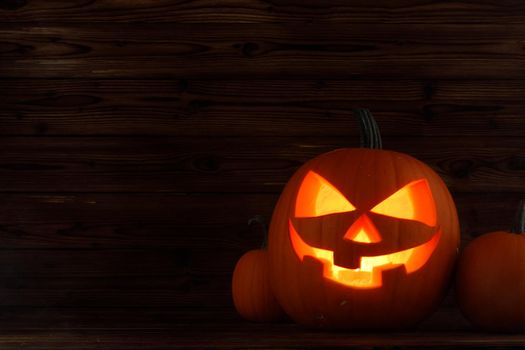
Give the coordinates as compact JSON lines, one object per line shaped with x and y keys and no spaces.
{"x":369,"y":131}
{"x":260,"y":220}
{"x":519,"y":223}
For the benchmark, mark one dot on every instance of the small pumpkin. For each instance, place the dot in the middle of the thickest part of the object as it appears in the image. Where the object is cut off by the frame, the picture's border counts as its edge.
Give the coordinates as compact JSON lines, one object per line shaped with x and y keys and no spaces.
{"x":490,"y":281}
{"x":362,"y":238}
{"x":252,"y":295}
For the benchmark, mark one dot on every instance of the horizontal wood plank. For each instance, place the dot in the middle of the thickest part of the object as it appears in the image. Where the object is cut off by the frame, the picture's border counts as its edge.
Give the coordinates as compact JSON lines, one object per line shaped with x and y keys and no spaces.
{"x":55,"y":318}
{"x":241,"y":50}
{"x":235,"y":164}
{"x":180,"y":222}
{"x":247,"y":335}
{"x":260,"y":107}
{"x":173,"y":279}
{"x":31,"y":318}
{"x":252,"y":11}
{"x":132,"y":221}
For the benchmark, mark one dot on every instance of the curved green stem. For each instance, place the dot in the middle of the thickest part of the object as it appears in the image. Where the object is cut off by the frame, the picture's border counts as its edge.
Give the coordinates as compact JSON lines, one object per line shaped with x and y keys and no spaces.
{"x":369,"y":131}
{"x":519,"y":223}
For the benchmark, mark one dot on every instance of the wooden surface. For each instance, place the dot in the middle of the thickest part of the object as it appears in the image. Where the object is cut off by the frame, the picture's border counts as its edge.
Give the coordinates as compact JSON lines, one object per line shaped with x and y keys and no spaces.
{"x":260,"y":337}
{"x":309,"y":107}
{"x":137,"y":138}
{"x":240,"y":50}
{"x":252,"y":11}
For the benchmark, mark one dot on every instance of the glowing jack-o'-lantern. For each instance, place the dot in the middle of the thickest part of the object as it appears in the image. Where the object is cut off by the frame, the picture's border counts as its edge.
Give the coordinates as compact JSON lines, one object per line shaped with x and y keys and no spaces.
{"x":362,"y":238}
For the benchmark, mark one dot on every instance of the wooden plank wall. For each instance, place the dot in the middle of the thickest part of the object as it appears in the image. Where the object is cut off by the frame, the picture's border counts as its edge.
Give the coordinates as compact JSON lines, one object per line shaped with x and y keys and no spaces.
{"x":137,"y":138}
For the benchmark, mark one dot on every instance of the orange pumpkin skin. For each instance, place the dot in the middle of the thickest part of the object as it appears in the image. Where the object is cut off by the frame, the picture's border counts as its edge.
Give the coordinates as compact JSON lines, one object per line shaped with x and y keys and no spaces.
{"x":365,"y":177}
{"x":490,"y":282}
{"x":251,"y":292}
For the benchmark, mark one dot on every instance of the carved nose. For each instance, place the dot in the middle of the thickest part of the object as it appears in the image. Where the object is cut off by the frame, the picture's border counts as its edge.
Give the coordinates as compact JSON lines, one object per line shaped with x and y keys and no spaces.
{"x":363,"y":230}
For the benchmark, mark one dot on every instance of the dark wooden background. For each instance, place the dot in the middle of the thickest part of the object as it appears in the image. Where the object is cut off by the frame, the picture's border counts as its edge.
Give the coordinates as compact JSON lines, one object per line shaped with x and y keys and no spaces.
{"x":137,"y":138}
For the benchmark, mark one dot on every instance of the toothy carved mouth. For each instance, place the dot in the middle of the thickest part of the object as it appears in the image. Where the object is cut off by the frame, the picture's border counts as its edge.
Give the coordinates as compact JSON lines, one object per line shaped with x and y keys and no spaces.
{"x":369,"y":273}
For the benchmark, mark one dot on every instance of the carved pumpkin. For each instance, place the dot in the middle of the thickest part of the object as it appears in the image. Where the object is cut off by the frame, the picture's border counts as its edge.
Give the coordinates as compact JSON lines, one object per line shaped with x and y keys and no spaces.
{"x":362,"y":238}
{"x":491,"y":279}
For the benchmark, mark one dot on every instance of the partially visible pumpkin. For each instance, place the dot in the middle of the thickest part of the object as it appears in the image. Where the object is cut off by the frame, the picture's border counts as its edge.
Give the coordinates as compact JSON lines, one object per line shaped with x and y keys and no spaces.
{"x":491,"y":279}
{"x":251,"y":291}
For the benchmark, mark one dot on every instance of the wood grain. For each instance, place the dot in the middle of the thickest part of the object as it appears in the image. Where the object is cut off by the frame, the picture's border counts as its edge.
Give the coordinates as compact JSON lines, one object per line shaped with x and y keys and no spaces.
{"x":90,"y":221}
{"x":236,"y":164}
{"x":280,"y":51}
{"x":260,"y":108}
{"x":252,"y":11}
{"x":154,"y":251}
{"x":34,"y":319}
{"x":132,"y":221}
{"x":127,"y":251}
{"x":63,"y":328}
{"x":137,"y":138}
{"x":117,"y":279}
{"x":265,"y":336}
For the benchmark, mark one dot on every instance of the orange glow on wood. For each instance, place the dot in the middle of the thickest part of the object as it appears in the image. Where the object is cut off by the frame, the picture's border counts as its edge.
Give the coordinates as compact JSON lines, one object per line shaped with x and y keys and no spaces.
{"x":319,"y":197}
{"x":413,"y":202}
{"x":363,"y":231}
{"x":369,"y":273}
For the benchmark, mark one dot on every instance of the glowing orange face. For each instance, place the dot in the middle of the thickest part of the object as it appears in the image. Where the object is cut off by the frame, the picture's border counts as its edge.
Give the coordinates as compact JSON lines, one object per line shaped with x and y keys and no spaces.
{"x":317,"y":197}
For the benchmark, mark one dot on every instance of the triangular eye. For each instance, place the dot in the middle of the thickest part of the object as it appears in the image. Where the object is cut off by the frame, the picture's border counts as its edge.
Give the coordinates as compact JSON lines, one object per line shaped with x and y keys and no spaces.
{"x":412,"y":202}
{"x":318,"y":197}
